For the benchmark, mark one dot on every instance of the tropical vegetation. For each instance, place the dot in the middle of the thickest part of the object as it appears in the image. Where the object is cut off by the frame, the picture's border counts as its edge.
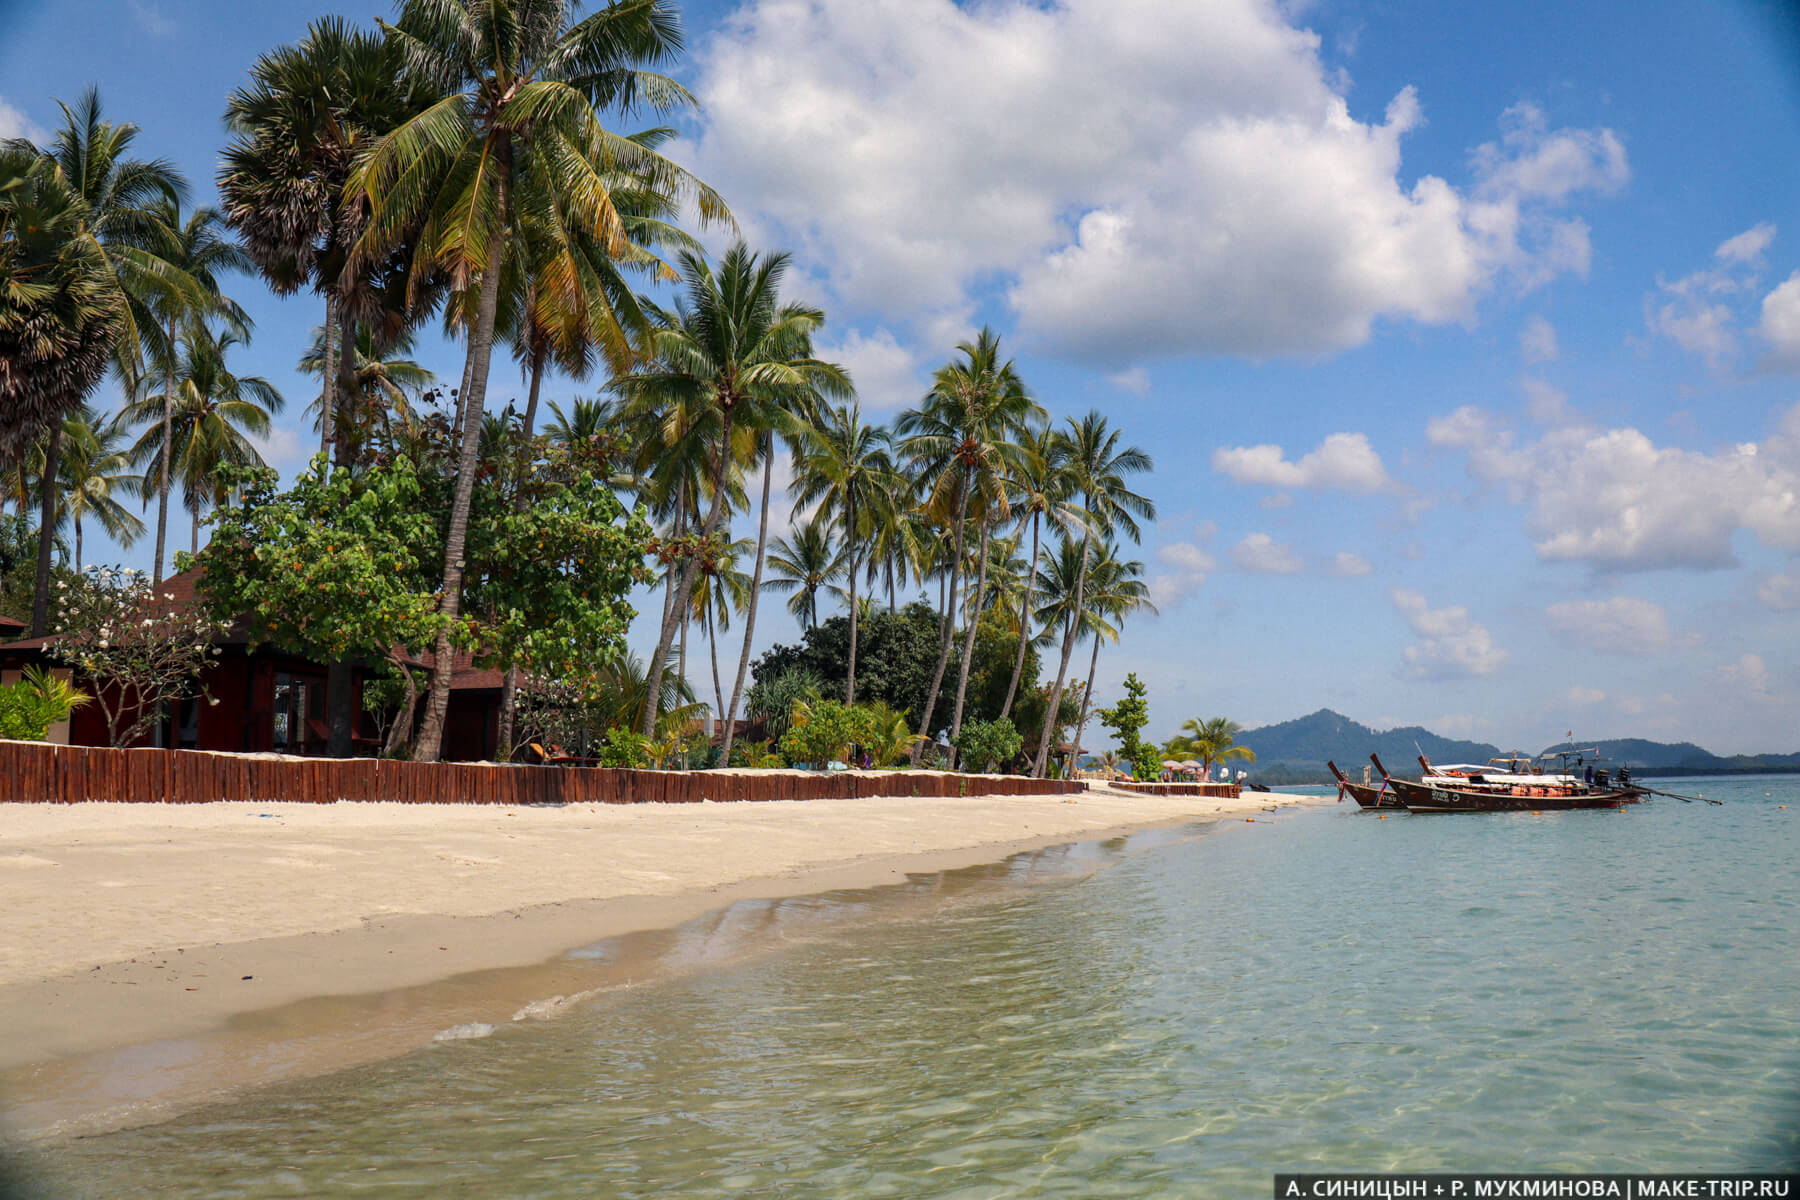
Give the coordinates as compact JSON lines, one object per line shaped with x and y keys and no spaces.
{"x":494,"y":170}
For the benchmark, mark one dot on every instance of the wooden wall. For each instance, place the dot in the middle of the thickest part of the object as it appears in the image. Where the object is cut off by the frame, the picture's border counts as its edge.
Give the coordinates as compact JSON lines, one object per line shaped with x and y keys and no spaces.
{"x":38,"y":772}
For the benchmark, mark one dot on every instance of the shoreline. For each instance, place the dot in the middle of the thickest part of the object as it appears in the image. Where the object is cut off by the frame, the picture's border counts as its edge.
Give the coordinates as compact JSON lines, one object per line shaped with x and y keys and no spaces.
{"x":131,"y":927}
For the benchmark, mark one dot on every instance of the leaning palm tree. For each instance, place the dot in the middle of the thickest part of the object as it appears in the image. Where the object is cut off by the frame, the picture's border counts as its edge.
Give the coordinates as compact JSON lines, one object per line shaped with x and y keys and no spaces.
{"x":736,"y":358}
{"x":1098,"y":470}
{"x":845,"y":471}
{"x":964,"y":440}
{"x":804,"y":564}
{"x":721,"y":590}
{"x":518,"y":134}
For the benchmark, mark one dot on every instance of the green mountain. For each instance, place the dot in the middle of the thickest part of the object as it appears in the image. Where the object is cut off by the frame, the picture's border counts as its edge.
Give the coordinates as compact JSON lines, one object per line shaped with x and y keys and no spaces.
{"x":1307,"y":742}
{"x":1296,"y":751}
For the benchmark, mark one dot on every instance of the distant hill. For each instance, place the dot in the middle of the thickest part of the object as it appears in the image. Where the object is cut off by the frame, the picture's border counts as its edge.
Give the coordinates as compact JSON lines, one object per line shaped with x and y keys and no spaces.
{"x":1638,"y":752}
{"x":1307,"y":742}
{"x":1296,"y":751}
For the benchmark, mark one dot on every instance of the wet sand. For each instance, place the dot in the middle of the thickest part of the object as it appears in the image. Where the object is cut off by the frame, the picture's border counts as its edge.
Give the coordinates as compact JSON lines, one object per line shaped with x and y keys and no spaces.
{"x":154,"y":952}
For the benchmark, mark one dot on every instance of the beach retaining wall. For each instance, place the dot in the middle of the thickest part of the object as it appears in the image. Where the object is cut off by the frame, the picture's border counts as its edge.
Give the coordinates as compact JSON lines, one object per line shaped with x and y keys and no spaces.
{"x":1230,"y":790}
{"x":38,"y":772}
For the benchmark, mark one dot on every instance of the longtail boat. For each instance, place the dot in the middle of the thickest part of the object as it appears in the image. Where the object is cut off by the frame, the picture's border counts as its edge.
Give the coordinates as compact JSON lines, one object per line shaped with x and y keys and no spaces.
{"x":1362,"y":793}
{"x":1515,"y":786}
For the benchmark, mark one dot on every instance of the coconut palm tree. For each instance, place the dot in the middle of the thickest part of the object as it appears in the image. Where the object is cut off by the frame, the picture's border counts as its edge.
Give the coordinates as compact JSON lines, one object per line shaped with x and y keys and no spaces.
{"x":215,"y":414}
{"x":721,"y":589}
{"x":517,"y":139}
{"x":104,"y":200}
{"x":845,"y":471}
{"x":736,"y":359}
{"x":386,"y":385}
{"x":963,"y":437}
{"x":803,"y":564}
{"x":1211,"y":740}
{"x":1098,"y":470}
{"x":1113,"y":590}
{"x":95,"y":476}
{"x":1041,"y":488}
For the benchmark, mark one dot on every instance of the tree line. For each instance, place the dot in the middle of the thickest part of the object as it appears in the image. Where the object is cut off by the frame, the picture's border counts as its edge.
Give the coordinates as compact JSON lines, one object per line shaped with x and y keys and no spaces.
{"x":479,"y":167}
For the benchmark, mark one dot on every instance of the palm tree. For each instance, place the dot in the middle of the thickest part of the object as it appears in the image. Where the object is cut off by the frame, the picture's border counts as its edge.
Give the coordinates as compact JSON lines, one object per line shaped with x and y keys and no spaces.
{"x":309,"y":112}
{"x":517,"y":134}
{"x":1211,"y":740}
{"x":386,"y":385}
{"x":803,"y":564}
{"x":963,"y":439}
{"x":721,"y":589}
{"x":95,"y":473}
{"x":105,"y":201}
{"x":1114,"y":589}
{"x":1098,"y":470}
{"x":1041,"y":488}
{"x":736,"y":359}
{"x":845,"y":470}
{"x":215,"y":413}
{"x":195,"y":246}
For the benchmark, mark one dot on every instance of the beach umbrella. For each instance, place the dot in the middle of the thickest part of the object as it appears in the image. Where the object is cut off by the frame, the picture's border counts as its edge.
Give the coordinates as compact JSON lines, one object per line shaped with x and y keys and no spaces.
{"x":1189,"y":764}
{"x":1170,"y":764}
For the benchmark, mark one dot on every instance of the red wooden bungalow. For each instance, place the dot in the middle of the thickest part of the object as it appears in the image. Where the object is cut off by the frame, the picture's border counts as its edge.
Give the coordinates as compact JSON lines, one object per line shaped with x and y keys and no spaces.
{"x":266,"y":700}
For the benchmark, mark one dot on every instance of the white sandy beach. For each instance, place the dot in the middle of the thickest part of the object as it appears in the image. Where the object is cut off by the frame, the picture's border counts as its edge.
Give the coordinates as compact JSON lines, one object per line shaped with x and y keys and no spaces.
{"x":132,"y":924}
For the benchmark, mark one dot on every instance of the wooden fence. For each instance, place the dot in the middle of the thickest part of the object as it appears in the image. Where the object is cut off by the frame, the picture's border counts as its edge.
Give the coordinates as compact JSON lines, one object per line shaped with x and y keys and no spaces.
{"x":38,"y":772}
{"x":1224,"y":790}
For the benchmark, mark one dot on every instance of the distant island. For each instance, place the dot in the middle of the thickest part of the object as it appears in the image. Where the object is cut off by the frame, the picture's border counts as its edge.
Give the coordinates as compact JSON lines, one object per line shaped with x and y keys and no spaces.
{"x":1296,"y":751}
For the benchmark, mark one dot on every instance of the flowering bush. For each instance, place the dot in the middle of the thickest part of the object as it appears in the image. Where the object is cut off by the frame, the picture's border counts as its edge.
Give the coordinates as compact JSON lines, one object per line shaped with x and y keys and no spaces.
{"x":140,"y":650}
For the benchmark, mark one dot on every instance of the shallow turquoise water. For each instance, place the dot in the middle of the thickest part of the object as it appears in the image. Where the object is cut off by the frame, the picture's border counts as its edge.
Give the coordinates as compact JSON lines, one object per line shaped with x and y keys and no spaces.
{"x":1608,"y":991}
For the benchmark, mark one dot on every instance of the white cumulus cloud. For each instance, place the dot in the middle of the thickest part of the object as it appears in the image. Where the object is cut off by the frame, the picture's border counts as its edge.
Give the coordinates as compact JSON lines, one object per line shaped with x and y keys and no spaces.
{"x":1451,"y":644}
{"x":885,"y":373}
{"x":1622,"y":625}
{"x":1342,"y":462}
{"x":1187,"y":567}
{"x":1136,"y":178}
{"x":1263,"y":555}
{"x":1537,"y":341}
{"x":15,"y":124}
{"x":1614,"y":499}
{"x":1699,"y":312}
{"x":1349,"y":566}
{"x":1780,"y":325}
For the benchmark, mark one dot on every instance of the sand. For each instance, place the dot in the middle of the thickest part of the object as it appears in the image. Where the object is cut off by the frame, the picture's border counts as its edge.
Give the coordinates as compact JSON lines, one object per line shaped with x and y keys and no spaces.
{"x":133,"y":926}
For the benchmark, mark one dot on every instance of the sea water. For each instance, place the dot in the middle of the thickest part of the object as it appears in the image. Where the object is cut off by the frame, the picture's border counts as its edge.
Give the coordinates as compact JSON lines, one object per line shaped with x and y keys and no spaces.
{"x":1323,"y":990}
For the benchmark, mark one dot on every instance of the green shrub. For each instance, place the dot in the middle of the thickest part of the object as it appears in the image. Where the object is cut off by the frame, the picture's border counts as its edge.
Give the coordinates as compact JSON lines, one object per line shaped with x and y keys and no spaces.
{"x":622,"y":747}
{"x":981,"y":744}
{"x":37,"y":701}
{"x":823,"y":730}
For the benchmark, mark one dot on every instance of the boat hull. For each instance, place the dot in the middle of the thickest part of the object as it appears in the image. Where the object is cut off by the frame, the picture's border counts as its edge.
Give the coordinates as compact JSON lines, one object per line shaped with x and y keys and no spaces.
{"x":1421,"y":798}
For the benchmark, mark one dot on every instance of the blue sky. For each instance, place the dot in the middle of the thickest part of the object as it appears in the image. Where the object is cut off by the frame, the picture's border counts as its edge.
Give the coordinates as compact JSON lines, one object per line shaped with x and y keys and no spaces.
{"x":1466,"y":337}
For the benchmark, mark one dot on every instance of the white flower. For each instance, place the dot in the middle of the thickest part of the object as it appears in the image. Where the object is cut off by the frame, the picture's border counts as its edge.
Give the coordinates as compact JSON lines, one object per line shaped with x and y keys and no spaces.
{"x":103,"y":643}
{"x":168,"y":595}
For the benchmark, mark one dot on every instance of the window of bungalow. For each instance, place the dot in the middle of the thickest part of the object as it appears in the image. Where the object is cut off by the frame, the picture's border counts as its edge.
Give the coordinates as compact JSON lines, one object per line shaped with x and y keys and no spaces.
{"x":284,"y":716}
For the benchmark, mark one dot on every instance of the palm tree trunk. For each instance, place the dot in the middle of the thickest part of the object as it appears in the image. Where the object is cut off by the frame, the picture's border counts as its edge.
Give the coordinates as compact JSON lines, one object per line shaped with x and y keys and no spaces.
{"x":762,"y":543}
{"x":712,"y":642}
{"x":345,"y":421}
{"x":78,"y":544}
{"x":1087,"y":698}
{"x":1042,"y":760}
{"x":328,"y":379}
{"x":948,"y":625}
{"x":162,"y":473}
{"x":509,"y":689}
{"x":1012,"y":688}
{"x":481,"y":346}
{"x":402,"y":730}
{"x":974,"y":620}
{"x":684,"y":595}
{"x":850,"y":540}
{"x":40,"y":592}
